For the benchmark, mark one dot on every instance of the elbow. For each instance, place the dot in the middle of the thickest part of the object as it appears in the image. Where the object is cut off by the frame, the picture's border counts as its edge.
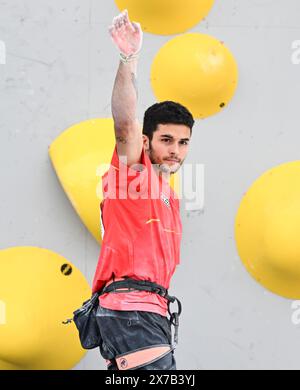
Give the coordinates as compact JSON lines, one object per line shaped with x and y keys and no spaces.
{"x":126,"y":127}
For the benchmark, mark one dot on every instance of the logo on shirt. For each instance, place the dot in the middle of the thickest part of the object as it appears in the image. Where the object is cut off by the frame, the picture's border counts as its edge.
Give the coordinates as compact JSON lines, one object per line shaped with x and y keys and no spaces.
{"x":165,"y":199}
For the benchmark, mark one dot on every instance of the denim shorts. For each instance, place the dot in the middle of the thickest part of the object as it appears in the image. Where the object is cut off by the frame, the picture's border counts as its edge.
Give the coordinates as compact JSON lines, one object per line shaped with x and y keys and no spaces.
{"x":124,"y":331}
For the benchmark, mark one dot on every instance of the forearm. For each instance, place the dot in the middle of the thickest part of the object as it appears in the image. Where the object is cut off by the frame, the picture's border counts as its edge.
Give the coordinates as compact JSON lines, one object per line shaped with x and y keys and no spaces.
{"x":125,"y":93}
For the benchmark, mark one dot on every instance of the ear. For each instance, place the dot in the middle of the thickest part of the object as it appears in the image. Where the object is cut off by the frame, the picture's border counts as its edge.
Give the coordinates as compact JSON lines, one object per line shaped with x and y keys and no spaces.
{"x":145,"y":142}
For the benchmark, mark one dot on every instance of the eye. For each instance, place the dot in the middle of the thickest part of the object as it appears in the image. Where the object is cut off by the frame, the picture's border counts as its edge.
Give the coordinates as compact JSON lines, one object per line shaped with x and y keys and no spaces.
{"x":185,"y":142}
{"x":166,"y":139}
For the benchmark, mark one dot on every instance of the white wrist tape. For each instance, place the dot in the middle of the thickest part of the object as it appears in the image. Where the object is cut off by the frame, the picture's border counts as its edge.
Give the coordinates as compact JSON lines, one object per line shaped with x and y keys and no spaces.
{"x":128,"y":58}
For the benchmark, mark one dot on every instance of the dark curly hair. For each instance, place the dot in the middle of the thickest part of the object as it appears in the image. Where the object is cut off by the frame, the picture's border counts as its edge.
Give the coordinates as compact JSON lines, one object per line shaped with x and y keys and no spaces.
{"x":164,"y":113}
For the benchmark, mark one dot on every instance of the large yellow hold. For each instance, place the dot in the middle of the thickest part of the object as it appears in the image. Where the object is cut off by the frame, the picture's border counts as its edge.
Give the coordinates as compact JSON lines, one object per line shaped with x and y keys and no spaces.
{"x":196,"y":70}
{"x":39,"y":289}
{"x":80,"y":156}
{"x":166,"y":17}
{"x":267,"y":230}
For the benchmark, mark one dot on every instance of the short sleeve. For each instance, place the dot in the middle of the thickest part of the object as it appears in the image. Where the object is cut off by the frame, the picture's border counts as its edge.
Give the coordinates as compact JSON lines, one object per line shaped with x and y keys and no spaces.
{"x":124,"y":182}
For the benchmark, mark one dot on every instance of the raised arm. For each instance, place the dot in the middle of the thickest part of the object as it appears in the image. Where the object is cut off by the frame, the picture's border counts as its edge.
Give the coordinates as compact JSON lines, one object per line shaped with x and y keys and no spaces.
{"x":128,"y":38}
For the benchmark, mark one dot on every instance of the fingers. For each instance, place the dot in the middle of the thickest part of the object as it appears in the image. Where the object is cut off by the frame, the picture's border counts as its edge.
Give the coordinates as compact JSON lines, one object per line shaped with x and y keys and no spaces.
{"x":136,"y":26}
{"x":126,"y":17}
{"x":119,"y":22}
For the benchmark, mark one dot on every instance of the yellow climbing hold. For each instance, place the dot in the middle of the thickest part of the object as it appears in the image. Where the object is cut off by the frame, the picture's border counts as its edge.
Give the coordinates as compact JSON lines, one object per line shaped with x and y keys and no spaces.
{"x":38,"y":290}
{"x":196,"y":70}
{"x":267,"y":230}
{"x":166,"y":17}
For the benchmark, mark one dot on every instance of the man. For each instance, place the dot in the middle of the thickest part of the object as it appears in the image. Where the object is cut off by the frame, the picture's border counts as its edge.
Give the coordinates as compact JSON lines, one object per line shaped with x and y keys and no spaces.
{"x":141,"y":230}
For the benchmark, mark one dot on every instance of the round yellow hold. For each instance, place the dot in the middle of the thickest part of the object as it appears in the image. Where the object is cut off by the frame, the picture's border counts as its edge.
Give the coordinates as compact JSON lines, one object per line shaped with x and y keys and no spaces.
{"x":267,"y":230}
{"x":80,"y":156}
{"x":166,"y":17}
{"x":196,"y":70}
{"x":39,"y":289}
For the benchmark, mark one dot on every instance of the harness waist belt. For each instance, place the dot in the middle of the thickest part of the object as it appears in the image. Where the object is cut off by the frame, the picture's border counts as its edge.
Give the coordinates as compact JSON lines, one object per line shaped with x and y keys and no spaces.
{"x":134,"y":284}
{"x":146,"y":285}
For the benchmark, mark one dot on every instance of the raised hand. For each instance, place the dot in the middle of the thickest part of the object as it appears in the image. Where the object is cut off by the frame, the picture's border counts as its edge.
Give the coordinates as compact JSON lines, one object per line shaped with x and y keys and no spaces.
{"x":127,"y":36}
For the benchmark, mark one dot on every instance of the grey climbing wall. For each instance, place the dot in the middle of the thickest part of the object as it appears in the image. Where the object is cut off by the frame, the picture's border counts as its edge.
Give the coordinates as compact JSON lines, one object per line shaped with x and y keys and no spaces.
{"x":57,"y":68}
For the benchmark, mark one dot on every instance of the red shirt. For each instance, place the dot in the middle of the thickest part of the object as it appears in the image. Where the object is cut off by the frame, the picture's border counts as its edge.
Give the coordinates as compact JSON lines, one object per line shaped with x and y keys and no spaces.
{"x":141,"y":231}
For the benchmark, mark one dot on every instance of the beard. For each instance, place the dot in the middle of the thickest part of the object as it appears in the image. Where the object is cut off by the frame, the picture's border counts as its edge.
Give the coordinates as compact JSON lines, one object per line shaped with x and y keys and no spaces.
{"x":162,"y":166}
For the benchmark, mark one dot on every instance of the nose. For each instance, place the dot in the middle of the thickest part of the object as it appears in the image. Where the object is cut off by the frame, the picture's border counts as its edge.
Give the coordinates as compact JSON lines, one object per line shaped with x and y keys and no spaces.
{"x":174,"y":149}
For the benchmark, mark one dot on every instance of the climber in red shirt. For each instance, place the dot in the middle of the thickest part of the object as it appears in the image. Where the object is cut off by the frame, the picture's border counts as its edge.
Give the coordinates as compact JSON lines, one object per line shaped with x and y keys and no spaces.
{"x":140,"y":217}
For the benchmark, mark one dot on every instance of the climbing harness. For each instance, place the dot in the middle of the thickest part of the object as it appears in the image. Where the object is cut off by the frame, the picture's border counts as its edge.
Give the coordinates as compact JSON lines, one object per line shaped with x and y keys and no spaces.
{"x":132,"y":284}
{"x":140,"y":357}
{"x":89,"y":333}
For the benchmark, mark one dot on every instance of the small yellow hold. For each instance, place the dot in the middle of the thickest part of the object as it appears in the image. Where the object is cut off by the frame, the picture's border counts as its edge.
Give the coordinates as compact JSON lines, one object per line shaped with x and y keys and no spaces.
{"x":166,"y":17}
{"x":196,"y":70}
{"x":39,"y":289}
{"x":267,"y":230}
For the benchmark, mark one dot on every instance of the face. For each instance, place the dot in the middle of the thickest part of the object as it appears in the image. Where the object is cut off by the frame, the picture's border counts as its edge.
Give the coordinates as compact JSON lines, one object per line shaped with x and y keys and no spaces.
{"x":169,"y":147}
